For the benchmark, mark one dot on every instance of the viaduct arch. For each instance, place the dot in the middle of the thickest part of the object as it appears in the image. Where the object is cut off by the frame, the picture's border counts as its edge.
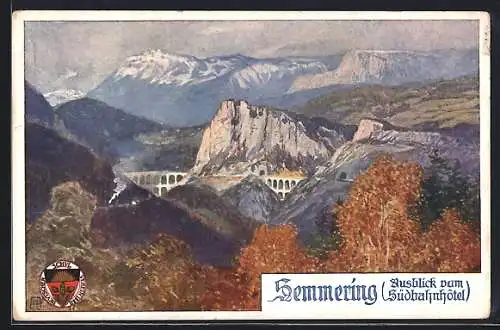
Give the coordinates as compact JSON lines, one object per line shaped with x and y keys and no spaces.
{"x":282,"y":185}
{"x":158,"y":182}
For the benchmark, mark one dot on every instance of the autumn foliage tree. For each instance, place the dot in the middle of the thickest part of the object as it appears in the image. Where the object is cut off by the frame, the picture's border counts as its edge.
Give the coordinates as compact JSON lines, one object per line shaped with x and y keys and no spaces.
{"x":227,"y":289}
{"x":374,"y":223}
{"x":450,"y":245}
{"x":379,"y":235}
{"x":272,"y":250}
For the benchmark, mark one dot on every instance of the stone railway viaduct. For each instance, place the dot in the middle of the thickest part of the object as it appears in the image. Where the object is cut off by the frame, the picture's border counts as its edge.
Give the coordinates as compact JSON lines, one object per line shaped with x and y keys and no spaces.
{"x":160,"y":182}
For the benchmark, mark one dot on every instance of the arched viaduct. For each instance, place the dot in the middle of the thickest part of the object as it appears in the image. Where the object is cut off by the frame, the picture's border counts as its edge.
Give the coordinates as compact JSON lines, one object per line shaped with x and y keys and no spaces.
{"x":160,"y":182}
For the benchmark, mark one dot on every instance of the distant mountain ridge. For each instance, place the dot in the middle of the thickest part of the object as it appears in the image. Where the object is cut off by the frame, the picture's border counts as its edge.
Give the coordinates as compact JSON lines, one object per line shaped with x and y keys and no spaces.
{"x":183,"y":90}
{"x":133,"y":142}
{"x":392,"y":68}
{"x":37,"y":109}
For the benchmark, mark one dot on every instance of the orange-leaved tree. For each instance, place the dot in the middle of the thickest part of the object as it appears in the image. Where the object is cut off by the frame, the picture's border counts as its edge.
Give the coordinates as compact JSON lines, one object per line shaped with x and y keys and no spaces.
{"x":275,"y":250}
{"x":450,"y":245}
{"x":272,"y":250}
{"x":379,"y":235}
{"x":226,"y":290}
{"x":374,"y":223}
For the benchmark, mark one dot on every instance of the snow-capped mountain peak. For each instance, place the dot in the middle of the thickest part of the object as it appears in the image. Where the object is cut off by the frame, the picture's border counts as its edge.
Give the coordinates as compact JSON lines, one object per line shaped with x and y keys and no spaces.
{"x":158,"y":67}
{"x":185,"y":90}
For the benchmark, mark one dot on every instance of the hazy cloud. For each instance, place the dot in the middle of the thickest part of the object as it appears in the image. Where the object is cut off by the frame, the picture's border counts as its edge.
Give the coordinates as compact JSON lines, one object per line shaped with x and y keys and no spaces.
{"x":95,"y":49}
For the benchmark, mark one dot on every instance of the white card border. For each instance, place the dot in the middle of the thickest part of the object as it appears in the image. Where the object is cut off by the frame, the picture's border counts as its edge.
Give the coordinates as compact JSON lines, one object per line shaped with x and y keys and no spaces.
{"x":18,"y":147}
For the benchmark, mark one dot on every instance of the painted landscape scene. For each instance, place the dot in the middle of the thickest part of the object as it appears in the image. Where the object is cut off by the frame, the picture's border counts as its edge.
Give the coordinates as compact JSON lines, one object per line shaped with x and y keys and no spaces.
{"x":177,"y":161}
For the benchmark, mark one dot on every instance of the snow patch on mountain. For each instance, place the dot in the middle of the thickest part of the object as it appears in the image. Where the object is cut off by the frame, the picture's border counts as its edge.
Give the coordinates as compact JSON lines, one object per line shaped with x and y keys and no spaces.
{"x":261,"y":73}
{"x":62,"y":96}
{"x":158,"y":67}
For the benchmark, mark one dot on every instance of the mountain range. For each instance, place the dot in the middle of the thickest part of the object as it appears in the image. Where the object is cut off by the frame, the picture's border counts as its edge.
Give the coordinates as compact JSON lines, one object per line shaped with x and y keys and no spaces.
{"x":435,"y":105}
{"x":182,"y":90}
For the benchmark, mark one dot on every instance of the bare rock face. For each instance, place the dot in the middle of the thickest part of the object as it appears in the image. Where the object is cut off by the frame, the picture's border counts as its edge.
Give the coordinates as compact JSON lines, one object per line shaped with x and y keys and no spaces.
{"x":253,"y":198}
{"x":366,"y":129}
{"x":241,"y":137}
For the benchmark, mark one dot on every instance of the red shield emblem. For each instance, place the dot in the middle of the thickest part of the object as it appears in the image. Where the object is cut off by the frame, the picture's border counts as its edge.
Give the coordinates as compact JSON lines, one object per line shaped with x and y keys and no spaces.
{"x":63,"y":292}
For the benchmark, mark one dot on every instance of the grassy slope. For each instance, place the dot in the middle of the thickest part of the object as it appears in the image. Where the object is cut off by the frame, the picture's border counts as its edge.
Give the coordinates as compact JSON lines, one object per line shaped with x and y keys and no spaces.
{"x":439,"y":104}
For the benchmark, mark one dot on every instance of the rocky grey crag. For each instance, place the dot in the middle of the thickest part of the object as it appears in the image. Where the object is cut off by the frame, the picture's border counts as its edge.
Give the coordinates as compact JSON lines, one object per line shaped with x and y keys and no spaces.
{"x":253,"y":198}
{"x":242,"y":136}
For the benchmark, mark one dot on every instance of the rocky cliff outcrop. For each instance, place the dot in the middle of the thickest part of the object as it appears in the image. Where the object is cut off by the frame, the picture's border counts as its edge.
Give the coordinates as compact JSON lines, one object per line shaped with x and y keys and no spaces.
{"x":241,"y":137}
{"x":367,"y":128}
